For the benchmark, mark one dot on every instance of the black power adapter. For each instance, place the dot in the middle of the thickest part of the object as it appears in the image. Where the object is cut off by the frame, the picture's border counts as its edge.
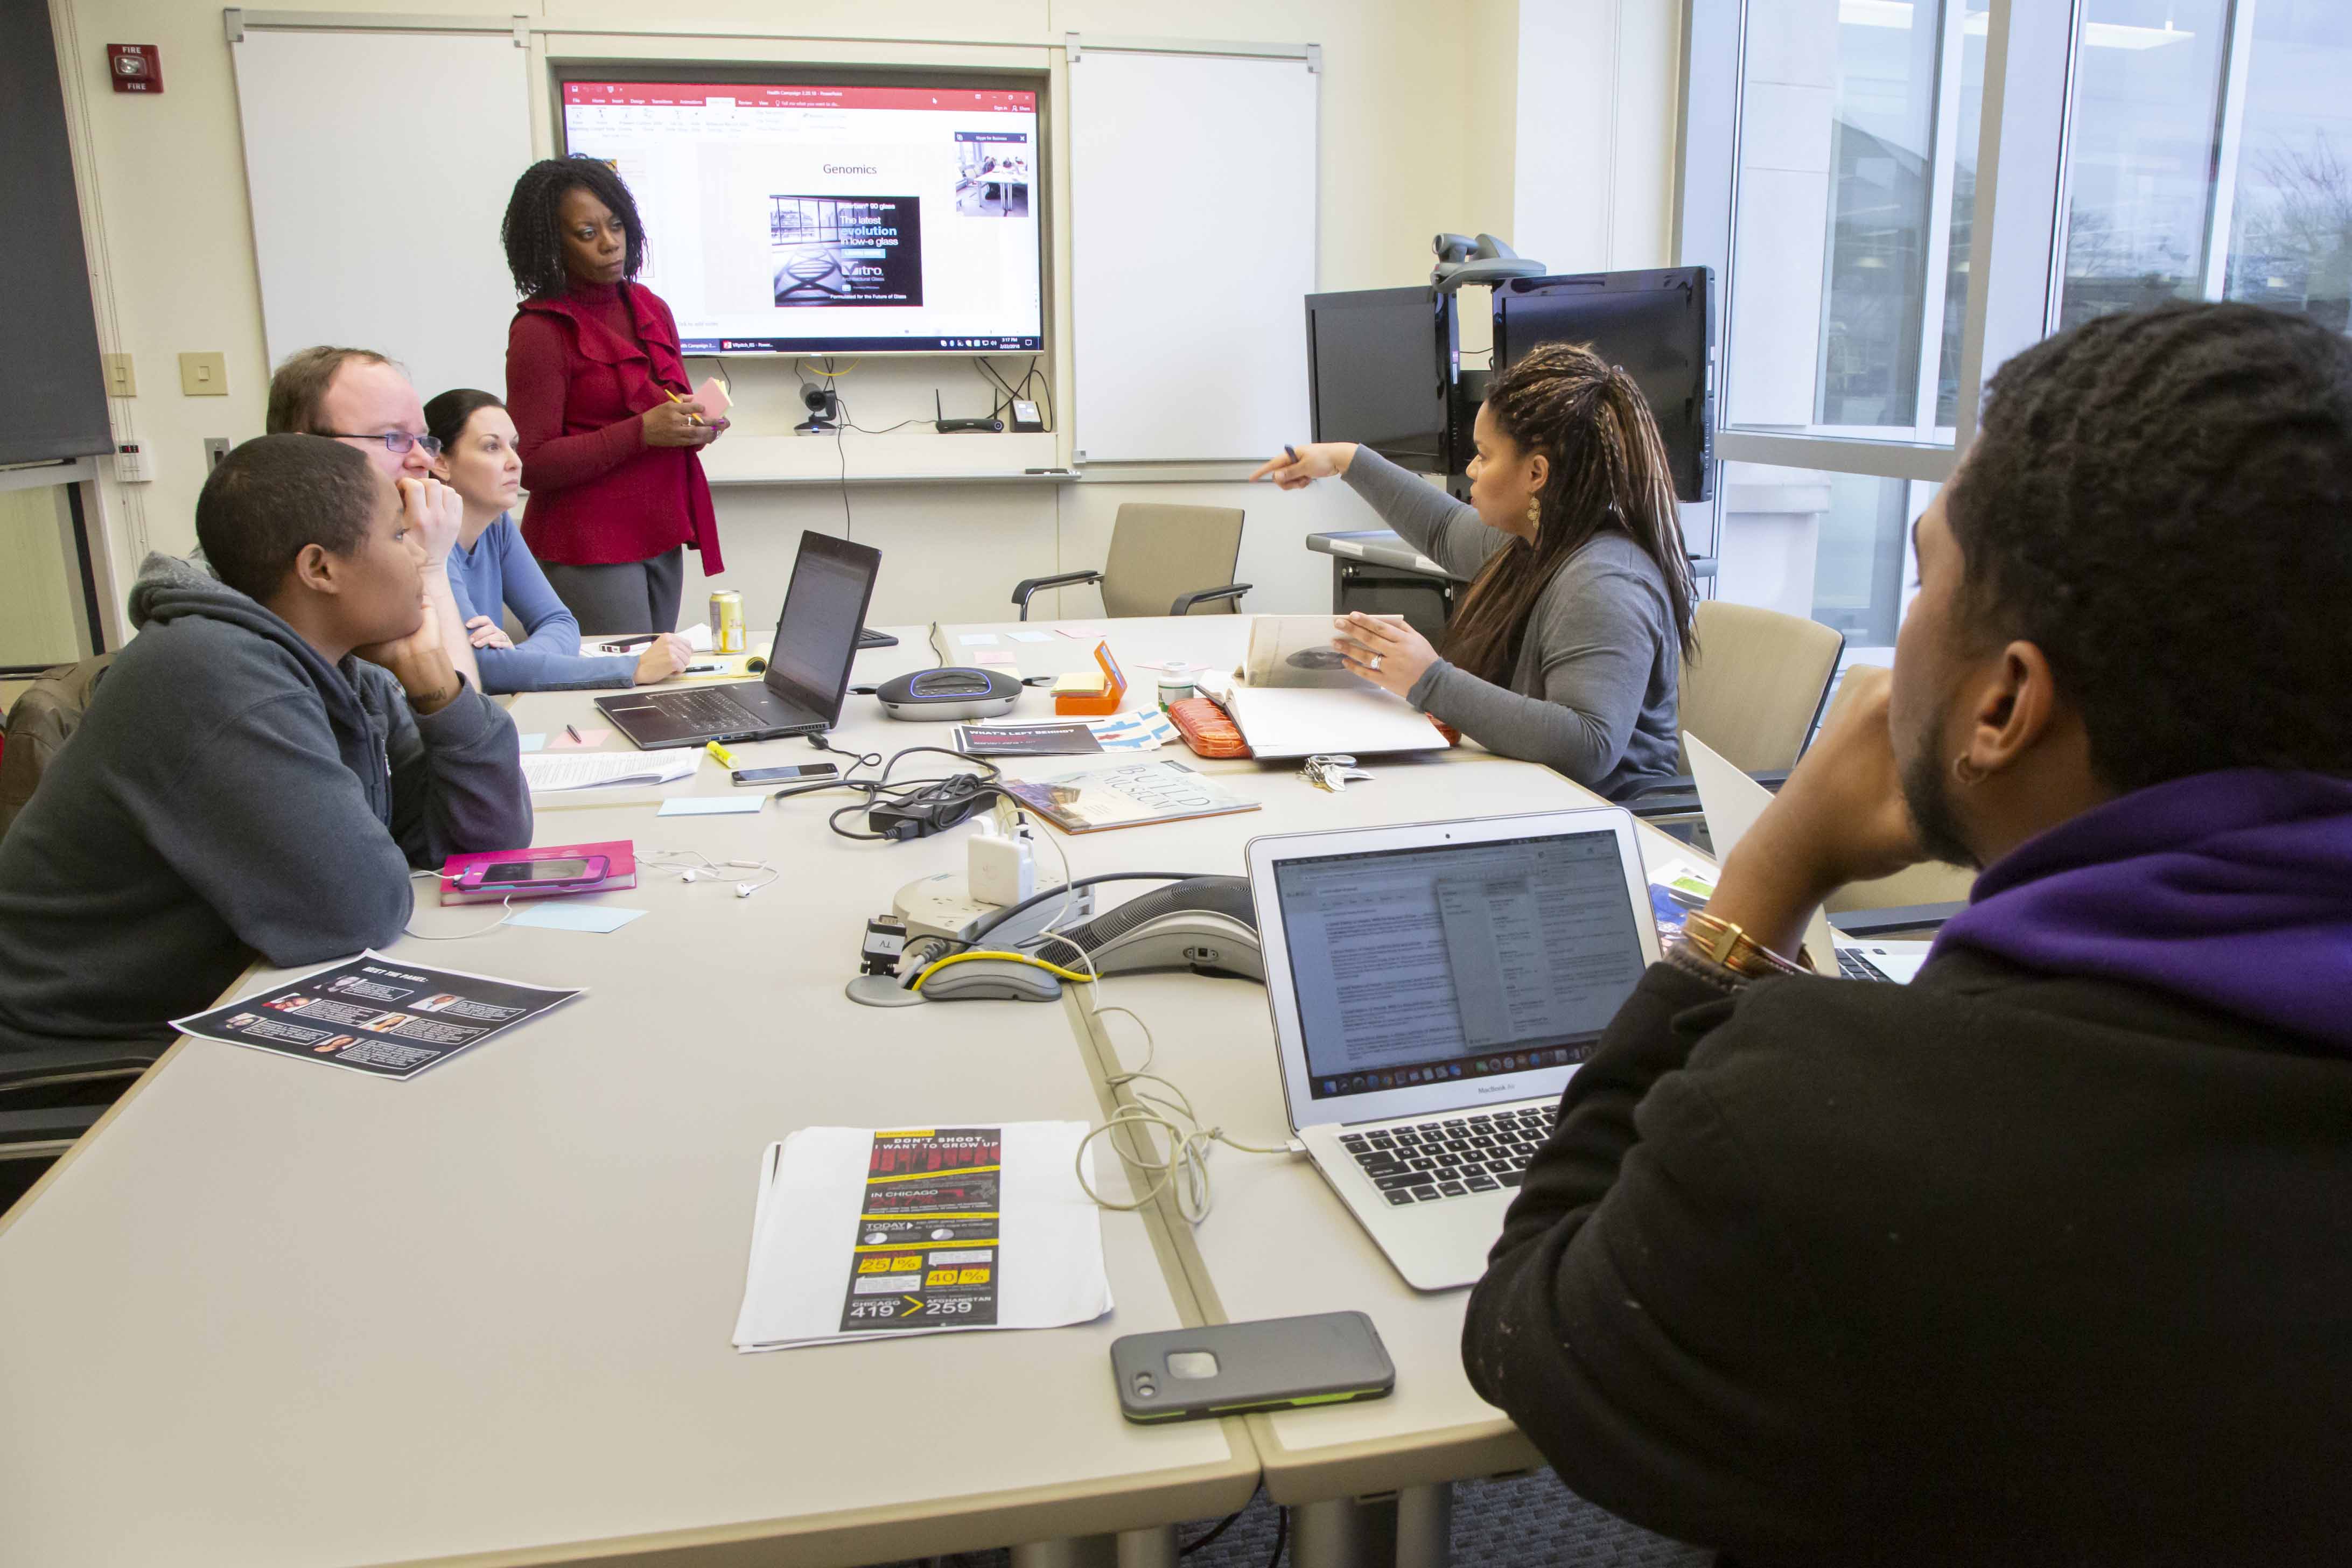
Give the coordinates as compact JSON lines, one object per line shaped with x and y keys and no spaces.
{"x":928,"y":811}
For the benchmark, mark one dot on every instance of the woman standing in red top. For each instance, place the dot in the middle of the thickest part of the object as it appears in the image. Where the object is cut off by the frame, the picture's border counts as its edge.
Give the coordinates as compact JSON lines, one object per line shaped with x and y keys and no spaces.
{"x":600,"y":408}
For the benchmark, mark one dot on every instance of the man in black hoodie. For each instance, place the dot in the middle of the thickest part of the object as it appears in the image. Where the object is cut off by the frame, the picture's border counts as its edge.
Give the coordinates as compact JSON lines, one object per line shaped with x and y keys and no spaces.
{"x":259,"y":770}
{"x":2045,"y":1257}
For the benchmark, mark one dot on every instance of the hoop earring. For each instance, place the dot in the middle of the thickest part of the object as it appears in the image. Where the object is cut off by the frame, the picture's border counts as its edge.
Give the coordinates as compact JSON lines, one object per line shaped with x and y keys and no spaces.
{"x":1963,"y":774}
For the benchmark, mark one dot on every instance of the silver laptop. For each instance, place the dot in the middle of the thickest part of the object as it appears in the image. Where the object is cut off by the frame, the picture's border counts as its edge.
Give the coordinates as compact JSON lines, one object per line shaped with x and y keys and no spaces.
{"x":1432,"y":988}
{"x":1732,"y":802}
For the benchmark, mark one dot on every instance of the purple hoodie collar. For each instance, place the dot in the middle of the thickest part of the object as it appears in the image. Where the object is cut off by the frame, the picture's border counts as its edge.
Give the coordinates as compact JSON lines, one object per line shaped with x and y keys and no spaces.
{"x":2233,"y":889}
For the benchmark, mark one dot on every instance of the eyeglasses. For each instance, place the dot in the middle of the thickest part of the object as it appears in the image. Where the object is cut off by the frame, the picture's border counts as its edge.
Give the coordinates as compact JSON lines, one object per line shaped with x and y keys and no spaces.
{"x":394,"y":440}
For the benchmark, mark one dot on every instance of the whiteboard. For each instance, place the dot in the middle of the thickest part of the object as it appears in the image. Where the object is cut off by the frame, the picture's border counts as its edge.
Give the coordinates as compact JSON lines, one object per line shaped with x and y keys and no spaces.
{"x":1192,"y":183}
{"x":378,"y":165}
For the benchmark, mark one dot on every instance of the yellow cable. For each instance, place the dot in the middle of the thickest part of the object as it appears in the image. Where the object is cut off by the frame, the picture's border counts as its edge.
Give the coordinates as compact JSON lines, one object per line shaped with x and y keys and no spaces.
{"x":933,"y":968}
{"x":835,"y":374}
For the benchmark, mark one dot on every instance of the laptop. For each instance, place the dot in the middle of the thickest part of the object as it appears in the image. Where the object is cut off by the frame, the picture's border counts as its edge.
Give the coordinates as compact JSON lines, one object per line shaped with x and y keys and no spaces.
{"x":808,"y":669}
{"x":1732,"y":802}
{"x":1432,"y":987}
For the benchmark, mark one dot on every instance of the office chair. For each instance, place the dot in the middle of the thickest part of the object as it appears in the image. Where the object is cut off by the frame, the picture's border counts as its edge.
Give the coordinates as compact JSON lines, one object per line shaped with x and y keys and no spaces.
{"x":49,"y":1098}
{"x":1753,"y":691}
{"x":1156,"y":549}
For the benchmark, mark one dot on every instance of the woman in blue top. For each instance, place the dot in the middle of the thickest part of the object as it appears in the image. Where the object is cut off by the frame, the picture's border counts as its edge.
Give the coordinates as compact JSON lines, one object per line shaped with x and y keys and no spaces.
{"x":491,"y":569}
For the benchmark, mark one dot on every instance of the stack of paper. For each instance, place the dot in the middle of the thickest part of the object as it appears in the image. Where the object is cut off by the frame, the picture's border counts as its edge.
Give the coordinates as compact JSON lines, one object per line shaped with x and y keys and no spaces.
{"x":861,"y":1233}
{"x":591,"y":770}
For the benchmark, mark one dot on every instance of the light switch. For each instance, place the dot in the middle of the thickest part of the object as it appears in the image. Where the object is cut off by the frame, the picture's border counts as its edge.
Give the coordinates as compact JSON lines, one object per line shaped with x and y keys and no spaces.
{"x":203,"y":375}
{"x":122,"y":381}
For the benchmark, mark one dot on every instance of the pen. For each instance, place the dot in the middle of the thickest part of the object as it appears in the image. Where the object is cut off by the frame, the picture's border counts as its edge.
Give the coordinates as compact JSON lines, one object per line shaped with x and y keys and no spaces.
{"x":726,"y":758}
{"x":622,"y":644}
{"x":574,"y":733}
{"x":1290,"y":451}
{"x":703,"y":669}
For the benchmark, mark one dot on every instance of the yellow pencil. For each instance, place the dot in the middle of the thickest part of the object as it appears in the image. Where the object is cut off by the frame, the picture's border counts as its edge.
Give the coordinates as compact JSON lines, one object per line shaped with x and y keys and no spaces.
{"x":673,"y":397}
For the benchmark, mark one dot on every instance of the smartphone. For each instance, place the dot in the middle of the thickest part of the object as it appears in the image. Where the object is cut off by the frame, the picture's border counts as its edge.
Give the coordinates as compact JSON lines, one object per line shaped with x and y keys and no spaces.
{"x":578,"y":872}
{"x":1230,"y":1369}
{"x":747,"y":776}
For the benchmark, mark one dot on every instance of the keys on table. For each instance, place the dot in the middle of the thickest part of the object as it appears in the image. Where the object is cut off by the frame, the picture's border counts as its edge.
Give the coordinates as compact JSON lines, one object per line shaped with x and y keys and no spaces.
{"x":1333,"y":772}
{"x":1452,"y":1157}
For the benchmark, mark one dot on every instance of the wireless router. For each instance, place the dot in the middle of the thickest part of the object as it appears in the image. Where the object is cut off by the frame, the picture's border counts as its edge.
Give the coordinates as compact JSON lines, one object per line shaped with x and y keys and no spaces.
{"x":947,"y":427}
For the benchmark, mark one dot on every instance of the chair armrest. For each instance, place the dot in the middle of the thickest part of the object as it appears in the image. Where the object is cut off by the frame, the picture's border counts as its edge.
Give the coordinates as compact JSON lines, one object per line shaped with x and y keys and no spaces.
{"x":47,"y":1132}
{"x":1028,"y":585}
{"x":24,"y":1070}
{"x":1184,"y":603}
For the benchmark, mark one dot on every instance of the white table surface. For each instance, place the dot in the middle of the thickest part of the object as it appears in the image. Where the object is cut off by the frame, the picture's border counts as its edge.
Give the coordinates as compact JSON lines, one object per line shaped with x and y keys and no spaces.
{"x":275,"y":1313}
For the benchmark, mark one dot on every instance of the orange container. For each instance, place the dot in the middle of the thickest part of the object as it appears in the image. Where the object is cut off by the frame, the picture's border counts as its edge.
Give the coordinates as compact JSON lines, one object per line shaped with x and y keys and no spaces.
{"x":1114,"y":693}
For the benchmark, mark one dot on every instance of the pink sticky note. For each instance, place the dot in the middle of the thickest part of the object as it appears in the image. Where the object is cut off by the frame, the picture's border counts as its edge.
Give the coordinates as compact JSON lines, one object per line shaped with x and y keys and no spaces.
{"x":557,"y":742}
{"x":713,"y":398}
{"x":995,"y":656}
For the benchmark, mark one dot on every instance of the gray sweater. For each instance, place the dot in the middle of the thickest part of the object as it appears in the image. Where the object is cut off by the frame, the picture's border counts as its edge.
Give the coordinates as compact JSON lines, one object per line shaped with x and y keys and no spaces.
{"x":230,"y":793}
{"x":1593,"y":692}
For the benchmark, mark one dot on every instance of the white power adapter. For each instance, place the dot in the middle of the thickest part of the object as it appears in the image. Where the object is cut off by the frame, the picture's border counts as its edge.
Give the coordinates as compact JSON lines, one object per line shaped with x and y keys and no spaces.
{"x":1004,"y":866}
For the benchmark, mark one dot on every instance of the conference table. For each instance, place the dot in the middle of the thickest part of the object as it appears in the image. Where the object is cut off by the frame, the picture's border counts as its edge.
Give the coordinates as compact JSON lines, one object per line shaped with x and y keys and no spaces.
{"x":268,"y":1313}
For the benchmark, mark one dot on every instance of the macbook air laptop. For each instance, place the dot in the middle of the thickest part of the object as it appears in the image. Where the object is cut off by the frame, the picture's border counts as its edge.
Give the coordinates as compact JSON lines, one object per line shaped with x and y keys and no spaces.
{"x":1432,"y":988}
{"x":1732,"y":802}
{"x":808,"y":669}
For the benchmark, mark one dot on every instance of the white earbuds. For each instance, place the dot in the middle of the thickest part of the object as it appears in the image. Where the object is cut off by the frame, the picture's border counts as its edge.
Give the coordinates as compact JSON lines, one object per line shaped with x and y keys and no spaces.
{"x":687,"y":875}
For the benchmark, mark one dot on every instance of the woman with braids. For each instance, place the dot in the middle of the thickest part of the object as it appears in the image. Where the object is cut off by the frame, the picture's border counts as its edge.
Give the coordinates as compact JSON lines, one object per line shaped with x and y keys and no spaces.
{"x":602,"y":408}
{"x":1566,"y":649}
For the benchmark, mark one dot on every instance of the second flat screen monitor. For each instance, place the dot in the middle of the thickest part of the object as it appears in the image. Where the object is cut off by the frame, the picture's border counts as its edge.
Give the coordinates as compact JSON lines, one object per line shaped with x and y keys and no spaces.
{"x":1376,"y":362}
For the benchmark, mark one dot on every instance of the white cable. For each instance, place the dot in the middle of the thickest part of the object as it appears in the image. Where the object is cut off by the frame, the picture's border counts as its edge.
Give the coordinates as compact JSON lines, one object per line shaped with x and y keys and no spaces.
{"x":506,"y":905}
{"x":701,"y":865}
{"x":1189,"y":1143}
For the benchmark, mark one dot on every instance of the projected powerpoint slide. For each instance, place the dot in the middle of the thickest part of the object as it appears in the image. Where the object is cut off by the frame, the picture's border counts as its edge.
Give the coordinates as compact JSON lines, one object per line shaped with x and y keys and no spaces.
{"x":814,"y":220}
{"x":847,"y":250}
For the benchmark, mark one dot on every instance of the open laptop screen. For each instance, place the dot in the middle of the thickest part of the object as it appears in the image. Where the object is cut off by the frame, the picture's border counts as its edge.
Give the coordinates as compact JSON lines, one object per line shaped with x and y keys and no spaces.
{"x":816,"y":638}
{"x":1458,"y":961}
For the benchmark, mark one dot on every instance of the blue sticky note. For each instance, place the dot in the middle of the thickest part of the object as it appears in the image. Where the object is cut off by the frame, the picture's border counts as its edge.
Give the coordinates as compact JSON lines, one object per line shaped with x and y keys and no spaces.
{"x":532,"y":743}
{"x":710,"y":805}
{"x":553,"y":916}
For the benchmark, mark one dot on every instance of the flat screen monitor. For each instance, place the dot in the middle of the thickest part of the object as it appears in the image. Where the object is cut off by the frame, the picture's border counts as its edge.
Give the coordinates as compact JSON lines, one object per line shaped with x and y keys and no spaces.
{"x":1377,"y":362}
{"x":1658,"y":324}
{"x":806,"y":218}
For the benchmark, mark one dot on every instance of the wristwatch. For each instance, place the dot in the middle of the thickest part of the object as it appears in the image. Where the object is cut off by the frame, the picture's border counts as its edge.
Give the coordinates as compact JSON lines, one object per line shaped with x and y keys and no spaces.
{"x":1722,"y":942}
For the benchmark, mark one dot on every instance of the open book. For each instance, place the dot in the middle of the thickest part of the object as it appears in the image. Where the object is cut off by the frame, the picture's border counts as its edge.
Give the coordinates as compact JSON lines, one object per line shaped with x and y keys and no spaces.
{"x":1305,"y":721}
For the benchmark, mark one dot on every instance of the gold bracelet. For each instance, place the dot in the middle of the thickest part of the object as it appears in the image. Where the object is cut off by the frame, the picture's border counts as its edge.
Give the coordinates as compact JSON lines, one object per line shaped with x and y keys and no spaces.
{"x":1720,"y":941}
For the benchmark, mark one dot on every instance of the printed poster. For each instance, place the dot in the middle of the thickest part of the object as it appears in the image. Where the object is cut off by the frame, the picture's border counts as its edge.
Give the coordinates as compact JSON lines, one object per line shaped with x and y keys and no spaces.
{"x":376,"y":1015}
{"x":928,"y":1242}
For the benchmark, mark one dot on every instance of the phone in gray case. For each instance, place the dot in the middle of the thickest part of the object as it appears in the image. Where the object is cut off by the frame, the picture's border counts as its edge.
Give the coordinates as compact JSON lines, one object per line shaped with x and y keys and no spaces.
{"x":1230,"y":1369}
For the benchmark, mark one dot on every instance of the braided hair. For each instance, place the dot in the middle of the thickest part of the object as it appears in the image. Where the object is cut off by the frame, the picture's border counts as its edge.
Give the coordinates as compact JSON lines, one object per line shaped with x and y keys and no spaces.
{"x":2161,"y":501}
{"x":1608,"y":471}
{"x":533,"y":234}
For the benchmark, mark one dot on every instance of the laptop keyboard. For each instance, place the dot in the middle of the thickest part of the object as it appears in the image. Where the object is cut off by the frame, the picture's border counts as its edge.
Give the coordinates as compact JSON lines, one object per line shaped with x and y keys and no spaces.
{"x":1853,"y":966}
{"x":710,"y":709}
{"x":1425,"y":1162}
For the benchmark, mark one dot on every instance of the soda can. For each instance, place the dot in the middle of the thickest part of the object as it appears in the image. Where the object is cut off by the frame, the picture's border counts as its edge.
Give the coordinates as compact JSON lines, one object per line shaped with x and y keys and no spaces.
{"x":727,"y":623}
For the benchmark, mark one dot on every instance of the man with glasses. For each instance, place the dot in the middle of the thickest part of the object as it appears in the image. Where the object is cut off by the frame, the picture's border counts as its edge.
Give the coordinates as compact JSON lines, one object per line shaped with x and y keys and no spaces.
{"x":360,"y":397}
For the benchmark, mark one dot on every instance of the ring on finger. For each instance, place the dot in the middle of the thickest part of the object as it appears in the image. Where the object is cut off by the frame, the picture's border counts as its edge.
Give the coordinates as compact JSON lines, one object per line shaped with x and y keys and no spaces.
{"x":1376,"y":660}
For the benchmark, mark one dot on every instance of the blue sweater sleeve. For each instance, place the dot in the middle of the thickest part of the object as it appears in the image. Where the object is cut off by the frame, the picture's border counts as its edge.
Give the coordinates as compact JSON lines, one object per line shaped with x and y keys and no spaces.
{"x":501,"y":571}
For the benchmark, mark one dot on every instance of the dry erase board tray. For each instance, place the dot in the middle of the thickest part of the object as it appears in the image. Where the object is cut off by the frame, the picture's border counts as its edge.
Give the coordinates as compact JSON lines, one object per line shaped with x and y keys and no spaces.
{"x":911,"y":456}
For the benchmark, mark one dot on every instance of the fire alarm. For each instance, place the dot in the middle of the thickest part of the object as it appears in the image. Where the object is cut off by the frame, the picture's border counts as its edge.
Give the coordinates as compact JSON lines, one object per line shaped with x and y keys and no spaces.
{"x":135,"y":68}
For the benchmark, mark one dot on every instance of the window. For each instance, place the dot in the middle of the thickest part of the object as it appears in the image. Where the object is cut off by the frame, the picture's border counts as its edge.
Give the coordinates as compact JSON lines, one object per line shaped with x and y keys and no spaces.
{"x":2290,"y":228}
{"x":2147,"y":90}
{"x":1855,"y":190}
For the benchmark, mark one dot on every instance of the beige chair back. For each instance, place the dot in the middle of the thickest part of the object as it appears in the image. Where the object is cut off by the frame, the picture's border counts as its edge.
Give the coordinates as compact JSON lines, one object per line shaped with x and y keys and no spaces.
{"x":1755,"y":687}
{"x":1159,"y":553}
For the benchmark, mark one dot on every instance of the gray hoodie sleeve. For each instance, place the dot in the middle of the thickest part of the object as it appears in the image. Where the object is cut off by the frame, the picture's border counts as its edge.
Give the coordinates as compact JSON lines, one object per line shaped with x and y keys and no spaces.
{"x":1425,"y":517}
{"x":270,"y":827}
{"x":456,"y":781}
{"x":1596,"y":631}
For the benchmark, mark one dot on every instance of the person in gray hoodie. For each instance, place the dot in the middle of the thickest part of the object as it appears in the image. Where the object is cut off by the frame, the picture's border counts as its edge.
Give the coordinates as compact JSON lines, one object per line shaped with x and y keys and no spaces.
{"x":259,"y":772}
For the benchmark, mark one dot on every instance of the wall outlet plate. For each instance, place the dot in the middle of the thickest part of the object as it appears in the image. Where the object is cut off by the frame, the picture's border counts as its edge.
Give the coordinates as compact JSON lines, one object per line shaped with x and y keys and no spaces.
{"x":203,"y":375}
{"x":121,"y":379}
{"x":215,"y":448}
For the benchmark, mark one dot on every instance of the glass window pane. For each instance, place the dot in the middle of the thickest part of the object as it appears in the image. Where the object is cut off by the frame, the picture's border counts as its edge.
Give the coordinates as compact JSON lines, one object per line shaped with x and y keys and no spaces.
{"x":1837,"y":181}
{"x":2146,"y":98}
{"x":1968,"y":128}
{"x":2291,"y":225}
{"x":1833,"y":546}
